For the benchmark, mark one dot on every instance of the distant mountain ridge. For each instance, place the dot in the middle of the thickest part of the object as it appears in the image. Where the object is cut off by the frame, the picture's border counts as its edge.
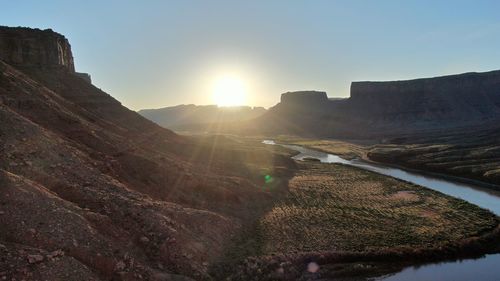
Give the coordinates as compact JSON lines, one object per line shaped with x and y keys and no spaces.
{"x":195,"y":116}
{"x":378,"y":109}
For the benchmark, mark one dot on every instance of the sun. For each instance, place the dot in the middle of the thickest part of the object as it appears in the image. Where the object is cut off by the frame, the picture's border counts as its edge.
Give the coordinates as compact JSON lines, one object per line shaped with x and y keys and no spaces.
{"x":229,"y":91}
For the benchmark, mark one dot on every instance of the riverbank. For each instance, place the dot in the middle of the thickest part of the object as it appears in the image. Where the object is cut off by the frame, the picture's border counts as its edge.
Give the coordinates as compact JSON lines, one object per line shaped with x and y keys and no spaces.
{"x":375,"y":153}
{"x":470,"y":154}
{"x":344,"y":149}
{"x":357,"y":220}
{"x":464,"y":177}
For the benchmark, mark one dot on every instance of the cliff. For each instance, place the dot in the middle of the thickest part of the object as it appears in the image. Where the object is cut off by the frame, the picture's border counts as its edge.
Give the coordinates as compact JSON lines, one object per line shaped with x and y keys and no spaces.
{"x":35,"y":48}
{"x":453,"y":97}
{"x":304,"y":98}
{"x":464,"y":85}
{"x":380,"y":109}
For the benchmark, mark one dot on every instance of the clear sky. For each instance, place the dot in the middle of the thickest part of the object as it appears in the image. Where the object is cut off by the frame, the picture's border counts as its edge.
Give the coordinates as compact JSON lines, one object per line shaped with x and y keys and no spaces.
{"x":151,"y":54}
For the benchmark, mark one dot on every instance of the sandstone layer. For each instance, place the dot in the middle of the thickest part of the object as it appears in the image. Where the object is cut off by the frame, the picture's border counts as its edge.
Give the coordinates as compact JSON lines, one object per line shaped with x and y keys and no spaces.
{"x":386,"y":109}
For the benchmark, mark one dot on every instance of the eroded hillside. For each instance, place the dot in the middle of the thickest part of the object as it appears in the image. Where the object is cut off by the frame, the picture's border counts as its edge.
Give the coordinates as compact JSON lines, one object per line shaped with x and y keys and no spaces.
{"x":97,"y":191}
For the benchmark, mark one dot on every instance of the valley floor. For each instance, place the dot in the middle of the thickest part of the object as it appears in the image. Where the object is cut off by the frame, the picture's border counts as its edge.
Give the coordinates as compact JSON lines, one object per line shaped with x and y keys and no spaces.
{"x":339,"y":216}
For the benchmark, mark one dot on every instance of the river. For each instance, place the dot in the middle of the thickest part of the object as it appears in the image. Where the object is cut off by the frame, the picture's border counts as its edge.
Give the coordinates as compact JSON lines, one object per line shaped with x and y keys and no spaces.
{"x":486,"y":268}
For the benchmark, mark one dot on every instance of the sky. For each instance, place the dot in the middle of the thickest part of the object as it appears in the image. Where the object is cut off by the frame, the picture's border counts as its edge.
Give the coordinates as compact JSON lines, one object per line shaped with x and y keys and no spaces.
{"x":151,"y":54}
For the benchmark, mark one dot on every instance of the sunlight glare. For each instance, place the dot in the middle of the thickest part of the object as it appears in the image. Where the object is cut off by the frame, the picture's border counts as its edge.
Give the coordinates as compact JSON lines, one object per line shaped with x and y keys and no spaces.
{"x":229,"y":91}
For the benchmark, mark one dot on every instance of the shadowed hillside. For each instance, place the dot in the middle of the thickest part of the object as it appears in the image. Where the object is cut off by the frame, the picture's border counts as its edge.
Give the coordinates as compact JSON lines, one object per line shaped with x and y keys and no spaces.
{"x":92,"y":190}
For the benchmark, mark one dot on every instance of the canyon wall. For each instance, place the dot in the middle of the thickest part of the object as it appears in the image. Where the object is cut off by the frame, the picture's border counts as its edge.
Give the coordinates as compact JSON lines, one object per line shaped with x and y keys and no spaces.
{"x":469,"y":100}
{"x":462,"y":96}
{"x":464,"y":85}
{"x":35,"y":48}
{"x":304,"y":97}
{"x":84,"y":76}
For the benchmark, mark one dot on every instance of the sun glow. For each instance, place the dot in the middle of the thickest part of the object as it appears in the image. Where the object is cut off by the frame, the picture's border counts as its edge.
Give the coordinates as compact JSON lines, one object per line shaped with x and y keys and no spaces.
{"x":229,"y":91}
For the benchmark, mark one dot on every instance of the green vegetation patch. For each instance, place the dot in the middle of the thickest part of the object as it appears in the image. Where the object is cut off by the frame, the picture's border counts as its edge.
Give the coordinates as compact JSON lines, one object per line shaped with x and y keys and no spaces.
{"x":331,"y":207}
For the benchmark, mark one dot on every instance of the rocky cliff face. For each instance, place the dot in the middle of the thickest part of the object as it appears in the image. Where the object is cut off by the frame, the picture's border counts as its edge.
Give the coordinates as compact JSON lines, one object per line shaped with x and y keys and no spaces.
{"x":457,"y":98}
{"x":460,"y":85}
{"x":35,"y":48}
{"x":304,"y":98}
{"x":303,"y":103}
{"x":84,"y":76}
{"x":391,"y":108}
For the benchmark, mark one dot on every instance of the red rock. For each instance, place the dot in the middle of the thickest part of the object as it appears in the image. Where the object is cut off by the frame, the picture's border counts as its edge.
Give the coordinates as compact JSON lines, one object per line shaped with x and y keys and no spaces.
{"x":35,"y":258}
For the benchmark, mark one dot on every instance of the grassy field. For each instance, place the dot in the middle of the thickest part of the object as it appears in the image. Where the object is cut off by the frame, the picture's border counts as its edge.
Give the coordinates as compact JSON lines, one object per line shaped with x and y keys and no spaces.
{"x":334,"y":208}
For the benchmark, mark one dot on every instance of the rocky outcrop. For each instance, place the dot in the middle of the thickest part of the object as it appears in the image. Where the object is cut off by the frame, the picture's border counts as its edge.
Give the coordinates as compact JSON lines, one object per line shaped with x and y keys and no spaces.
{"x":84,"y":76}
{"x":304,"y":98}
{"x":35,"y":48}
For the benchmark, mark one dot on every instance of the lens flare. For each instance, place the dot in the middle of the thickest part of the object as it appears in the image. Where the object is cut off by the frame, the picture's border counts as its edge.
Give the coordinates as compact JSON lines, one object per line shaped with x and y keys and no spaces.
{"x":268,"y":178}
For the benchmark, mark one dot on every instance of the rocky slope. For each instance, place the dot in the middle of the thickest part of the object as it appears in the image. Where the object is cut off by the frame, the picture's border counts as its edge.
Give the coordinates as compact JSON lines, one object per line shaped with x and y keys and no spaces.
{"x":199,"y":117}
{"x":94,"y":191}
{"x":381,"y":109}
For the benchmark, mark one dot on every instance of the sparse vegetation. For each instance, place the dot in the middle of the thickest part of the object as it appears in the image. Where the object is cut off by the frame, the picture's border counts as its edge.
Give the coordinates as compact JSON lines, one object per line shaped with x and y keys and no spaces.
{"x":333,"y":208}
{"x":448,"y":154}
{"x":344,"y":149}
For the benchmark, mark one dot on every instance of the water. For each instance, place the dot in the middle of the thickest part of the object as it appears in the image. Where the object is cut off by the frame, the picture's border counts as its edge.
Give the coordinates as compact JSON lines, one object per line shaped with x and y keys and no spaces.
{"x":485,"y":269}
